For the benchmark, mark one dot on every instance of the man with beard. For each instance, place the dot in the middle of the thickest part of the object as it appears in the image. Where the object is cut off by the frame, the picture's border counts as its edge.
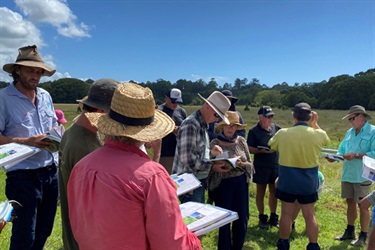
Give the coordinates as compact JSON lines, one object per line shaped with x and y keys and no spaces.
{"x":26,"y":115}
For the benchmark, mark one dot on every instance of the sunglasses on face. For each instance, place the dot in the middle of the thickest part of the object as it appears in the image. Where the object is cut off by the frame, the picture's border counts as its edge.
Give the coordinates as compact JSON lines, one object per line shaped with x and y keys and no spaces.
{"x":216,"y":115}
{"x":268,"y":116}
{"x":351,"y":119}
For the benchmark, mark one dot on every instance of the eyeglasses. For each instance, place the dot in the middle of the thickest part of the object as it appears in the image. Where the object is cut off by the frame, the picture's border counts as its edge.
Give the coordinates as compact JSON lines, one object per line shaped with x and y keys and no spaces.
{"x":353,"y":118}
{"x":268,"y":116}
{"x":216,"y":115}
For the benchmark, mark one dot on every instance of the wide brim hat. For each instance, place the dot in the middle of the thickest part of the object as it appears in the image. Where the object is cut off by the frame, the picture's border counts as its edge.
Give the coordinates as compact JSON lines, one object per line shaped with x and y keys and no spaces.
{"x":219,"y":103}
{"x":133,"y":115}
{"x":233,"y":118}
{"x":357,"y":109}
{"x":29,"y":57}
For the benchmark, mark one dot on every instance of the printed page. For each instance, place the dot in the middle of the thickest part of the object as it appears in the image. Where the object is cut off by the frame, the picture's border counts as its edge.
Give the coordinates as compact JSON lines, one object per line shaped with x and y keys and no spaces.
{"x":5,"y":211}
{"x":368,"y":170}
{"x":232,"y":217}
{"x":225,"y":157}
{"x":12,"y":153}
{"x":185,"y":183}
{"x":198,"y":215}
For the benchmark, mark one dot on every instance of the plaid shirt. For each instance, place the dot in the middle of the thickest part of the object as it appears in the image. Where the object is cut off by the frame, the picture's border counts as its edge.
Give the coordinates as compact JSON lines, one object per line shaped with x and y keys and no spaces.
{"x":192,"y":150}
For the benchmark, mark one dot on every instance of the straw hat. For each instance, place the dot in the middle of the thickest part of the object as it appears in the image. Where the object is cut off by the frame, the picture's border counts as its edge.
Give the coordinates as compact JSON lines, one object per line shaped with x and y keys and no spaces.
{"x":133,"y":115}
{"x":233,"y":118}
{"x":357,"y":109}
{"x":28,"y":56}
{"x":219,"y":103}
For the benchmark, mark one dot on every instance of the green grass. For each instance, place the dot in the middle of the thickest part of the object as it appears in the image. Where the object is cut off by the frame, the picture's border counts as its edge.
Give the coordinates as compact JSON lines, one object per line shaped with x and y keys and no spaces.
{"x":330,"y":209}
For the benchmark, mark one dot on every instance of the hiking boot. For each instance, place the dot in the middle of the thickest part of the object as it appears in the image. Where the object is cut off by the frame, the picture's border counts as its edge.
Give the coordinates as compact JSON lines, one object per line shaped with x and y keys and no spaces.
{"x":263,"y":221}
{"x":361,"y":241}
{"x":313,"y":246}
{"x":274,"y":220}
{"x":346,"y":236}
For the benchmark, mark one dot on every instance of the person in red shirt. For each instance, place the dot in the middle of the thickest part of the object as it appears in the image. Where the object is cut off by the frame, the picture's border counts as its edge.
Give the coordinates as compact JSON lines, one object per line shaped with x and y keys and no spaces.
{"x":118,"y":197}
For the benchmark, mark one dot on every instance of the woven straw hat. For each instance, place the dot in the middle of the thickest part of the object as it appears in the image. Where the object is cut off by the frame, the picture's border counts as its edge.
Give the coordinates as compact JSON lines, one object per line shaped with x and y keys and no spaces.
{"x":28,"y":56}
{"x":233,"y":118}
{"x":133,"y":115}
{"x":218,"y":102}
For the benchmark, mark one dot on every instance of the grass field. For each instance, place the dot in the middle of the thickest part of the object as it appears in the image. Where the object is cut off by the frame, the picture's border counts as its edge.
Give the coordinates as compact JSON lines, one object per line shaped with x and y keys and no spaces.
{"x":330,"y":209}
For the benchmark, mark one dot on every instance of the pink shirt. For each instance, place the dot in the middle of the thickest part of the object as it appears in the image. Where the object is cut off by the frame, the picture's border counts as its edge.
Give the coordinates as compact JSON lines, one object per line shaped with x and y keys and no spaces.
{"x":120,"y":199}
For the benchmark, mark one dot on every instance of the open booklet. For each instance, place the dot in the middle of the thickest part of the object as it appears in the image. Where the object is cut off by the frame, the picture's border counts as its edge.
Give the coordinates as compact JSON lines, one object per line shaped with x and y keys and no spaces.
{"x":225,"y":157}
{"x":54,"y":136}
{"x":333,"y":156}
{"x":185,"y":183}
{"x":202,"y":218}
{"x":368,"y":170}
{"x":13,"y":153}
{"x":6,"y":208}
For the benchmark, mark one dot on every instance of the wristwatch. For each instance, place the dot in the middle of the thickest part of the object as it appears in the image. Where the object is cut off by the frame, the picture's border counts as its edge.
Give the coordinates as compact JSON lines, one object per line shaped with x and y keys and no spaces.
{"x":357,"y":155}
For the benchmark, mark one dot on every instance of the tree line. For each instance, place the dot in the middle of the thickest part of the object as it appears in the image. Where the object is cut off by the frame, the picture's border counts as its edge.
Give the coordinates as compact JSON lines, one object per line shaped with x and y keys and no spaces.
{"x":339,"y":92}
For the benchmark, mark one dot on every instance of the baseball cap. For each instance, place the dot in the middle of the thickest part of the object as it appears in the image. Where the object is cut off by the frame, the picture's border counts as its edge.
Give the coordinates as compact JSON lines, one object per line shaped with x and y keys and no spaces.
{"x":265,"y":111}
{"x":302,"y":107}
{"x":175,"y":95}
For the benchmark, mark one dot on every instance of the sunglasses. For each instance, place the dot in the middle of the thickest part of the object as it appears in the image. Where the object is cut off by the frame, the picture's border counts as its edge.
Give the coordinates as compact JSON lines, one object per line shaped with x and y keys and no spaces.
{"x":268,"y":116}
{"x":353,"y":118}
{"x":216,"y":115}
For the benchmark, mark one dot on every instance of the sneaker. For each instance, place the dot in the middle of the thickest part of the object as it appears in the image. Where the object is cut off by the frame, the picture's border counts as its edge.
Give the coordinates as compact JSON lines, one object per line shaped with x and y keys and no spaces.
{"x":361,"y":241}
{"x":346,"y":236}
{"x":263,"y":221}
{"x":274,"y":220}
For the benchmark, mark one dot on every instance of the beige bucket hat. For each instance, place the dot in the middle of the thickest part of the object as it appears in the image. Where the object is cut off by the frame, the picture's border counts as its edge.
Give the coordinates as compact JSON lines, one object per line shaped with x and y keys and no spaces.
{"x":233,"y":118}
{"x":133,"y":114}
{"x":28,"y":56}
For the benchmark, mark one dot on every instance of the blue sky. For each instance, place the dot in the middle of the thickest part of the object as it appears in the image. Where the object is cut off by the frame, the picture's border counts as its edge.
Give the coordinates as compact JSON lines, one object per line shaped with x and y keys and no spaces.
{"x":274,"y":41}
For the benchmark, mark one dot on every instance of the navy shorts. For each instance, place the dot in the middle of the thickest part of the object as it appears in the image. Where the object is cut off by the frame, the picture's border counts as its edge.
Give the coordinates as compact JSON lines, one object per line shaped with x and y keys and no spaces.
{"x":290,"y":198}
{"x":265,"y":175}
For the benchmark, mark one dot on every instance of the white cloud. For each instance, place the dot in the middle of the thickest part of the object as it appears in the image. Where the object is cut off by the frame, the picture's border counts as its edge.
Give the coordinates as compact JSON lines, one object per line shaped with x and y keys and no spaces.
{"x":219,"y":79}
{"x":54,"y":12}
{"x":19,"y":29}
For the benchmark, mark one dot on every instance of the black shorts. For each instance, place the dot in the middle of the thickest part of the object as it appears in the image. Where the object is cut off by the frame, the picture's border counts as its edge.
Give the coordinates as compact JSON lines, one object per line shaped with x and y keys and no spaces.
{"x":290,"y":198}
{"x":265,"y":175}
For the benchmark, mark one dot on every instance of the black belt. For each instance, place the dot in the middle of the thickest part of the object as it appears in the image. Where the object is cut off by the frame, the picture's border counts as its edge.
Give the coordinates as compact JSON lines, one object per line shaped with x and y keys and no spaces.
{"x":33,"y":171}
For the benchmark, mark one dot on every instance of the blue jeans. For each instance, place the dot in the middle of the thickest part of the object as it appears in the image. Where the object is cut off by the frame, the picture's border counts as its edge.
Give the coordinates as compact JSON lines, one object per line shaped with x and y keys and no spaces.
{"x":233,"y":194}
{"x":197,"y":195}
{"x":37,"y":191}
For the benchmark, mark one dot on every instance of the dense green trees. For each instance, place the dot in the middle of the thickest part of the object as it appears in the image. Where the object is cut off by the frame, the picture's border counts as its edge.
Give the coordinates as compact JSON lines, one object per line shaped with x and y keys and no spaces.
{"x":340,"y":92}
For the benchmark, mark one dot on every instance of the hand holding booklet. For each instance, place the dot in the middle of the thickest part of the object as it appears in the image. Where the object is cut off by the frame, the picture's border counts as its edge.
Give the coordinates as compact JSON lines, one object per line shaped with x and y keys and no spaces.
{"x":54,"y":136}
{"x":225,"y":157}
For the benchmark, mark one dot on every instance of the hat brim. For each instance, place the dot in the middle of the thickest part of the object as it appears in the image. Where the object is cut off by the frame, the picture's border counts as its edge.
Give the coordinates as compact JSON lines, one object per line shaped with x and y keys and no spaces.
{"x":176,"y":100}
{"x":159,"y":128}
{"x":239,"y":125}
{"x":96,"y":105}
{"x":47,"y":70}
{"x":365,"y":114}
{"x":222,"y":116}
{"x":62,"y":120}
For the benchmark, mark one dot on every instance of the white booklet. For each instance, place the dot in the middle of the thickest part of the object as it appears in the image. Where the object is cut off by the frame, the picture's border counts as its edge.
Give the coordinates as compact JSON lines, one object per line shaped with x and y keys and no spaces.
{"x":54,"y":136}
{"x":202,"y":218}
{"x":13,"y":153}
{"x":185,"y":183}
{"x":225,"y":157}
{"x":368,"y":170}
